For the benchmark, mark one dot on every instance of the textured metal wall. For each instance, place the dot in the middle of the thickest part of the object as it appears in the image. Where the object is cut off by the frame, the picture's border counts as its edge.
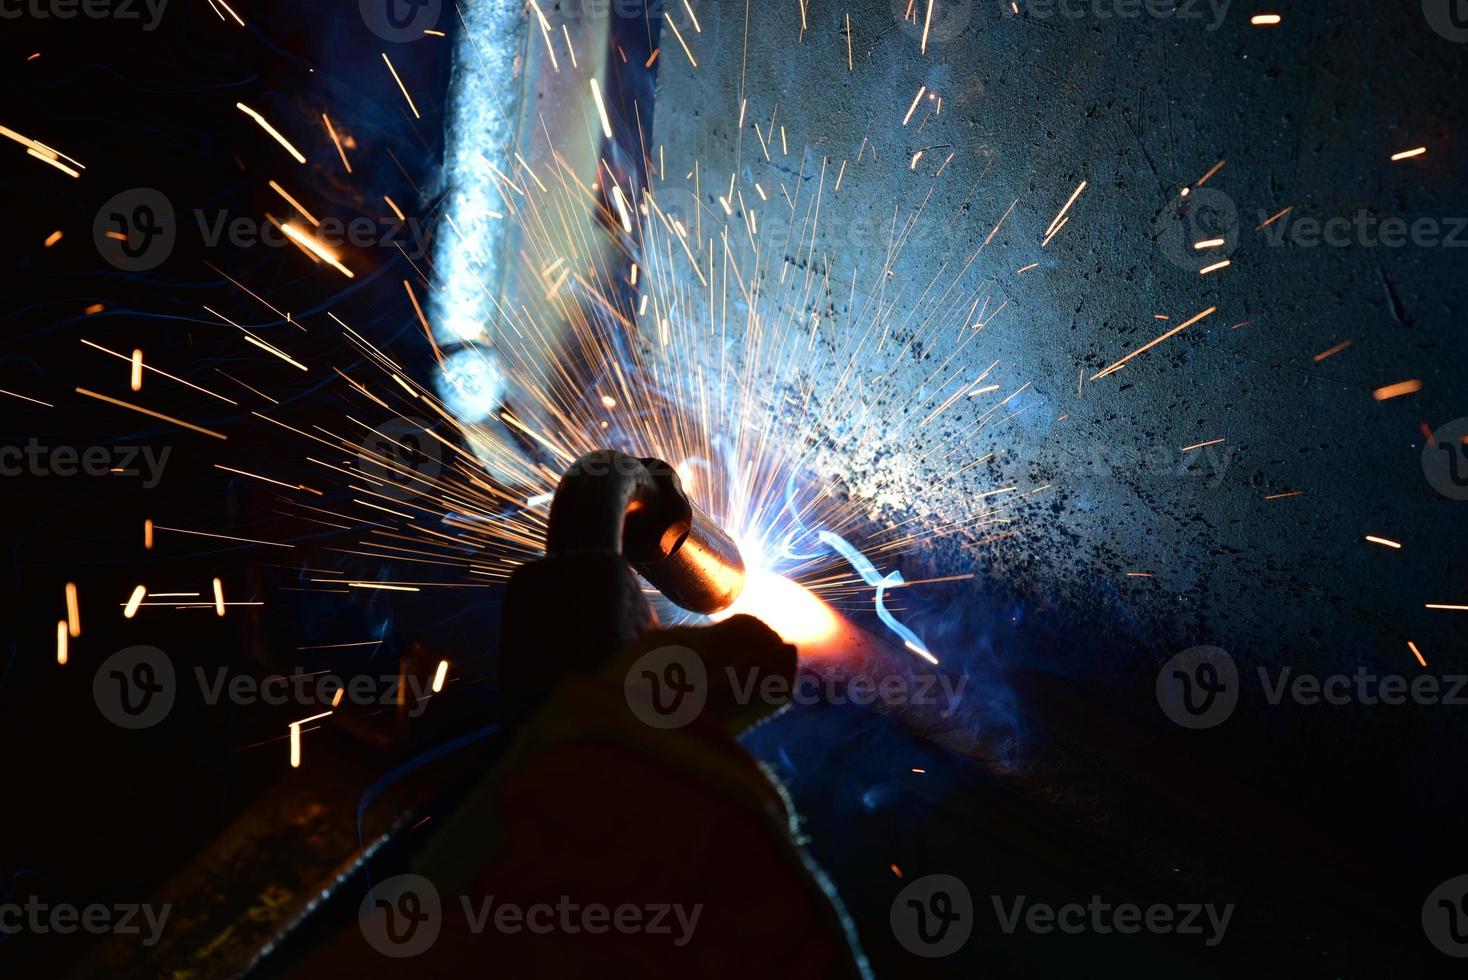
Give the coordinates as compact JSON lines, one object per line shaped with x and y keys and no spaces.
{"x":1140,"y":108}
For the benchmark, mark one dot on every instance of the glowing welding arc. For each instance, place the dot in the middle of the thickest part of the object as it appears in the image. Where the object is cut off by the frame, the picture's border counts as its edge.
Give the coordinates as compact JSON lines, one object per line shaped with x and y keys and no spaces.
{"x":786,"y":607}
{"x":871,"y":576}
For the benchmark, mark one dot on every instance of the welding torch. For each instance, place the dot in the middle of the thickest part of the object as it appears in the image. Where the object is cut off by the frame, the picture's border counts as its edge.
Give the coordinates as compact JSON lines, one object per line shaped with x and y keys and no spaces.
{"x":611,"y":514}
{"x":579,"y":606}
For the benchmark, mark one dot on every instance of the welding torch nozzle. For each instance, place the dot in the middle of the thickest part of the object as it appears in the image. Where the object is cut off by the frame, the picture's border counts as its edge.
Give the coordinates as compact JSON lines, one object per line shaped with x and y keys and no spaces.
{"x":638,"y":509}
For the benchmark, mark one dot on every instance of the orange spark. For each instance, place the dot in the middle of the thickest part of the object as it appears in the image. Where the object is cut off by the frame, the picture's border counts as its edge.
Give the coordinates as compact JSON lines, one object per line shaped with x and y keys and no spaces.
{"x":313,"y":247}
{"x":1333,"y":351}
{"x":148,"y":411}
{"x":294,"y":203}
{"x":1397,"y":390}
{"x":73,"y":611}
{"x":403,"y":88}
{"x":1148,"y":346}
{"x":335,"y":139}
{"x":274,"y":133}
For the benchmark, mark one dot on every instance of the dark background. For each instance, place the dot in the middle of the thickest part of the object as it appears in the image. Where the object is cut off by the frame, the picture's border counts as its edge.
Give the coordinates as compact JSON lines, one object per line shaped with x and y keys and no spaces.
{"x":1326,"y":825}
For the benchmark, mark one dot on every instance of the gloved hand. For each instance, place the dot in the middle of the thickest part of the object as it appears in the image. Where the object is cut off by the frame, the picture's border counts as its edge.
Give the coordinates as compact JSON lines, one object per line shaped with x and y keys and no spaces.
{"x":734,"y":674}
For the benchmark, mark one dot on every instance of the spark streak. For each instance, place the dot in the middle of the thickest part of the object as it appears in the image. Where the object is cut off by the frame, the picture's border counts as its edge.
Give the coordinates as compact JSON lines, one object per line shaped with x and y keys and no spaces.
{"x":274,"y":133}
{"x":1148,"y":346}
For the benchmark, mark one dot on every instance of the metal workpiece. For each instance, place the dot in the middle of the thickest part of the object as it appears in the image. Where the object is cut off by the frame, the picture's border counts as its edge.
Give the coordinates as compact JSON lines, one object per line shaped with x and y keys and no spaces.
{"x":486,"y":101}
{"x":522,"y":190}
